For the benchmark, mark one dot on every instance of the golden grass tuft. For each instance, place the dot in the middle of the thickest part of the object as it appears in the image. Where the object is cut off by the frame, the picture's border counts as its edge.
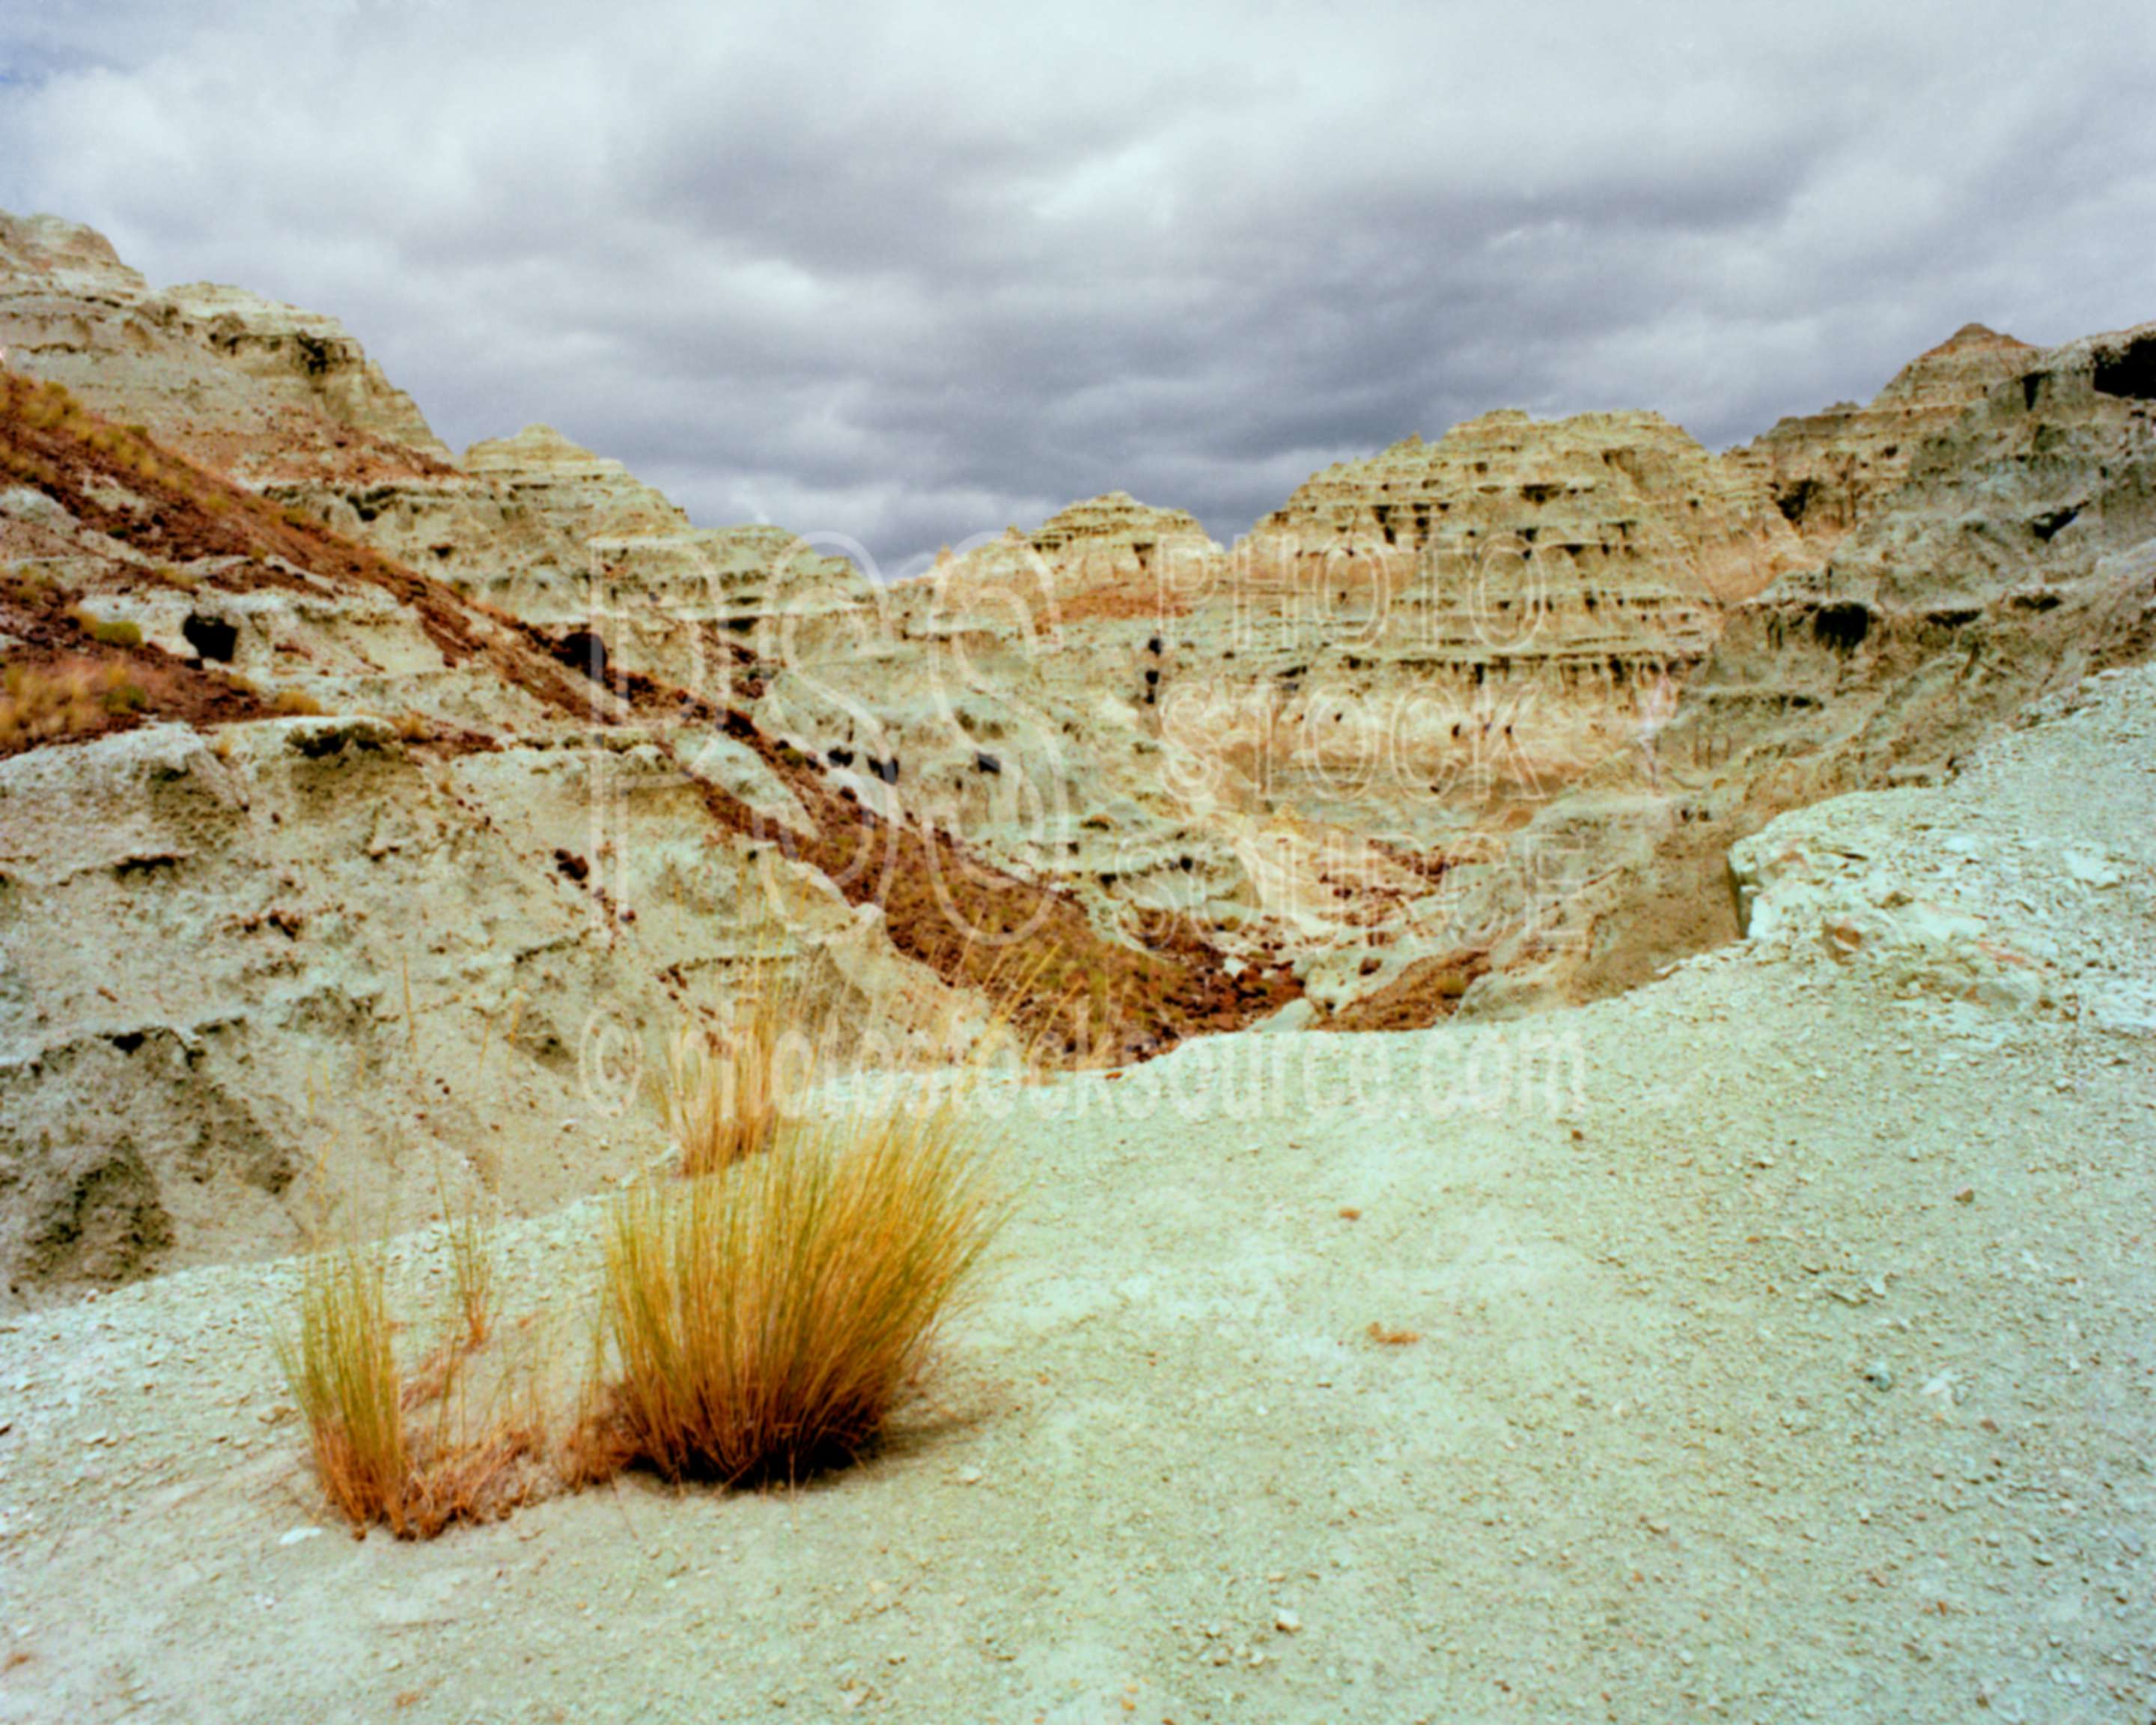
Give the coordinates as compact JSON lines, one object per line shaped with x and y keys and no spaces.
{"x":376,"y":1468}
{"x":763,"y":1323}
{"x":343,"y":1374}
{"x":760,"y":1320}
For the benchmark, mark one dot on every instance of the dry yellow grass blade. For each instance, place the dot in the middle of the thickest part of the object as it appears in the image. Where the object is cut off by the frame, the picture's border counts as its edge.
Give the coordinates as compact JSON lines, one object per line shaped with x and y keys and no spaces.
{"x":721,"y":1101}
{"x":724,"y":1097}
{"x":343,"y":1374}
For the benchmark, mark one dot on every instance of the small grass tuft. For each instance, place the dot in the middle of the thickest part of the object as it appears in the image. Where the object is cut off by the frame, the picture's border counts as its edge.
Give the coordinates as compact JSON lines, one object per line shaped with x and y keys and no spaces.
{"x":377,"y":1470}
{"x":49,"y":703}
{"x":471,"y":1278}
{"x":764,"y":1322}
{"x":724,"y":1098}
{"x":113,"y":633}
{"x":342,"y":1370}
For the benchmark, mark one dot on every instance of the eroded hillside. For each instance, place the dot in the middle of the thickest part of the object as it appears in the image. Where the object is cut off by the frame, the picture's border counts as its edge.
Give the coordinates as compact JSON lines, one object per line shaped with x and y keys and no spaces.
{"x":321,"y":884}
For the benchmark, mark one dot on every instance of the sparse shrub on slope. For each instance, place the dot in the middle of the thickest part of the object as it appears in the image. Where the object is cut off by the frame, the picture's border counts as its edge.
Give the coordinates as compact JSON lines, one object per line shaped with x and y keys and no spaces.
{"x":109,"y":633}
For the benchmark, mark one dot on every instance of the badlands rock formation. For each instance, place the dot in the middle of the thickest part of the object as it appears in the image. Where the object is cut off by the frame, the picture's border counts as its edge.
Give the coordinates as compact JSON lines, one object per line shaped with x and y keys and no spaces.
{"x":321,"y":884}
{"x":254,"y":388}
{"x":563,"y":538}
{"x":1295,"y":741}
{"x":1463,"y":719}
{"x":2018,"y":555}
{"x":1831,"y":470}
{"x":462,"y":780}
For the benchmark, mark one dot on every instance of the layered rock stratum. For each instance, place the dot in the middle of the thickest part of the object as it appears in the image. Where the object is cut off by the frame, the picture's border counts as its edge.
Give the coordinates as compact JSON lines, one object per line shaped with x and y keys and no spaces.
{"x":1829,"y":470}
{"x":461,"y":781}
{"x":257,"y":389}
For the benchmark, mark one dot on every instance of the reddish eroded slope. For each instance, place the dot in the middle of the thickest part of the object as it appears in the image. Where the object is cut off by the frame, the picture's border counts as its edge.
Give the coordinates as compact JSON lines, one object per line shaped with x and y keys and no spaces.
{"x":63,"y":684}
{"x":116,"y":481}
{"x":1080,"y":996}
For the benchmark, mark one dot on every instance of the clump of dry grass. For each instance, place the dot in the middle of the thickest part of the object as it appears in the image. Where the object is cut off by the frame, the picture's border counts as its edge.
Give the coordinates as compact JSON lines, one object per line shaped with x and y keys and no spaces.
{"x":343,"y":1371}
{"x":763,"y":1322}
{"x":376,"y":1467}
{"x":762,"y":1319}
{"x":46,"y":703}
{"x":471,"y":1279}
{"x":288,"y":703}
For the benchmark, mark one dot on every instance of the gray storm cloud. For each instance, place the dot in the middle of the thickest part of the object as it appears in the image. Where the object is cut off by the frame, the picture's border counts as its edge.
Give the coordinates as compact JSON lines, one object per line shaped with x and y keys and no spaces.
{"x":910,"y":275}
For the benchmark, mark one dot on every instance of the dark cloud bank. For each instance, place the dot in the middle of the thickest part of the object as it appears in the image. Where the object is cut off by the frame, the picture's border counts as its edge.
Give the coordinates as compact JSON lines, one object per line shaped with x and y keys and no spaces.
{"x":913,"y":274}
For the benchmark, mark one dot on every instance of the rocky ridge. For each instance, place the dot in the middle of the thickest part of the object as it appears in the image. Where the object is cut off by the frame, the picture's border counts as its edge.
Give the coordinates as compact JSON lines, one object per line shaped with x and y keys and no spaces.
{"x":291,"y":834}
{"x":2016,"y":556}
{"x":1463,"y":721}
{"x":1829,"y":470}
{"x":258,"y":389}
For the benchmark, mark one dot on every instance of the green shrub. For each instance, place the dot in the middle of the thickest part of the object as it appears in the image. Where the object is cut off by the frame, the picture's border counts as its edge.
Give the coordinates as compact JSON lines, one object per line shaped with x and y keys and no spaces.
{"x":113,"y":633}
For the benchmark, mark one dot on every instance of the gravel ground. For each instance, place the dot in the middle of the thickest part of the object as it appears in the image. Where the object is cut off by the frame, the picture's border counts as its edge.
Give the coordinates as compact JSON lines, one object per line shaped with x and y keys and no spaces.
{"x":1782,"y":1350}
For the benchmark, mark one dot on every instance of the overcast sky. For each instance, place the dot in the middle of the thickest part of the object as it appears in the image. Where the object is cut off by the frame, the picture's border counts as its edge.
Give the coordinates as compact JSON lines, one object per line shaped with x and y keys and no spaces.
{"x":911,"y":273}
